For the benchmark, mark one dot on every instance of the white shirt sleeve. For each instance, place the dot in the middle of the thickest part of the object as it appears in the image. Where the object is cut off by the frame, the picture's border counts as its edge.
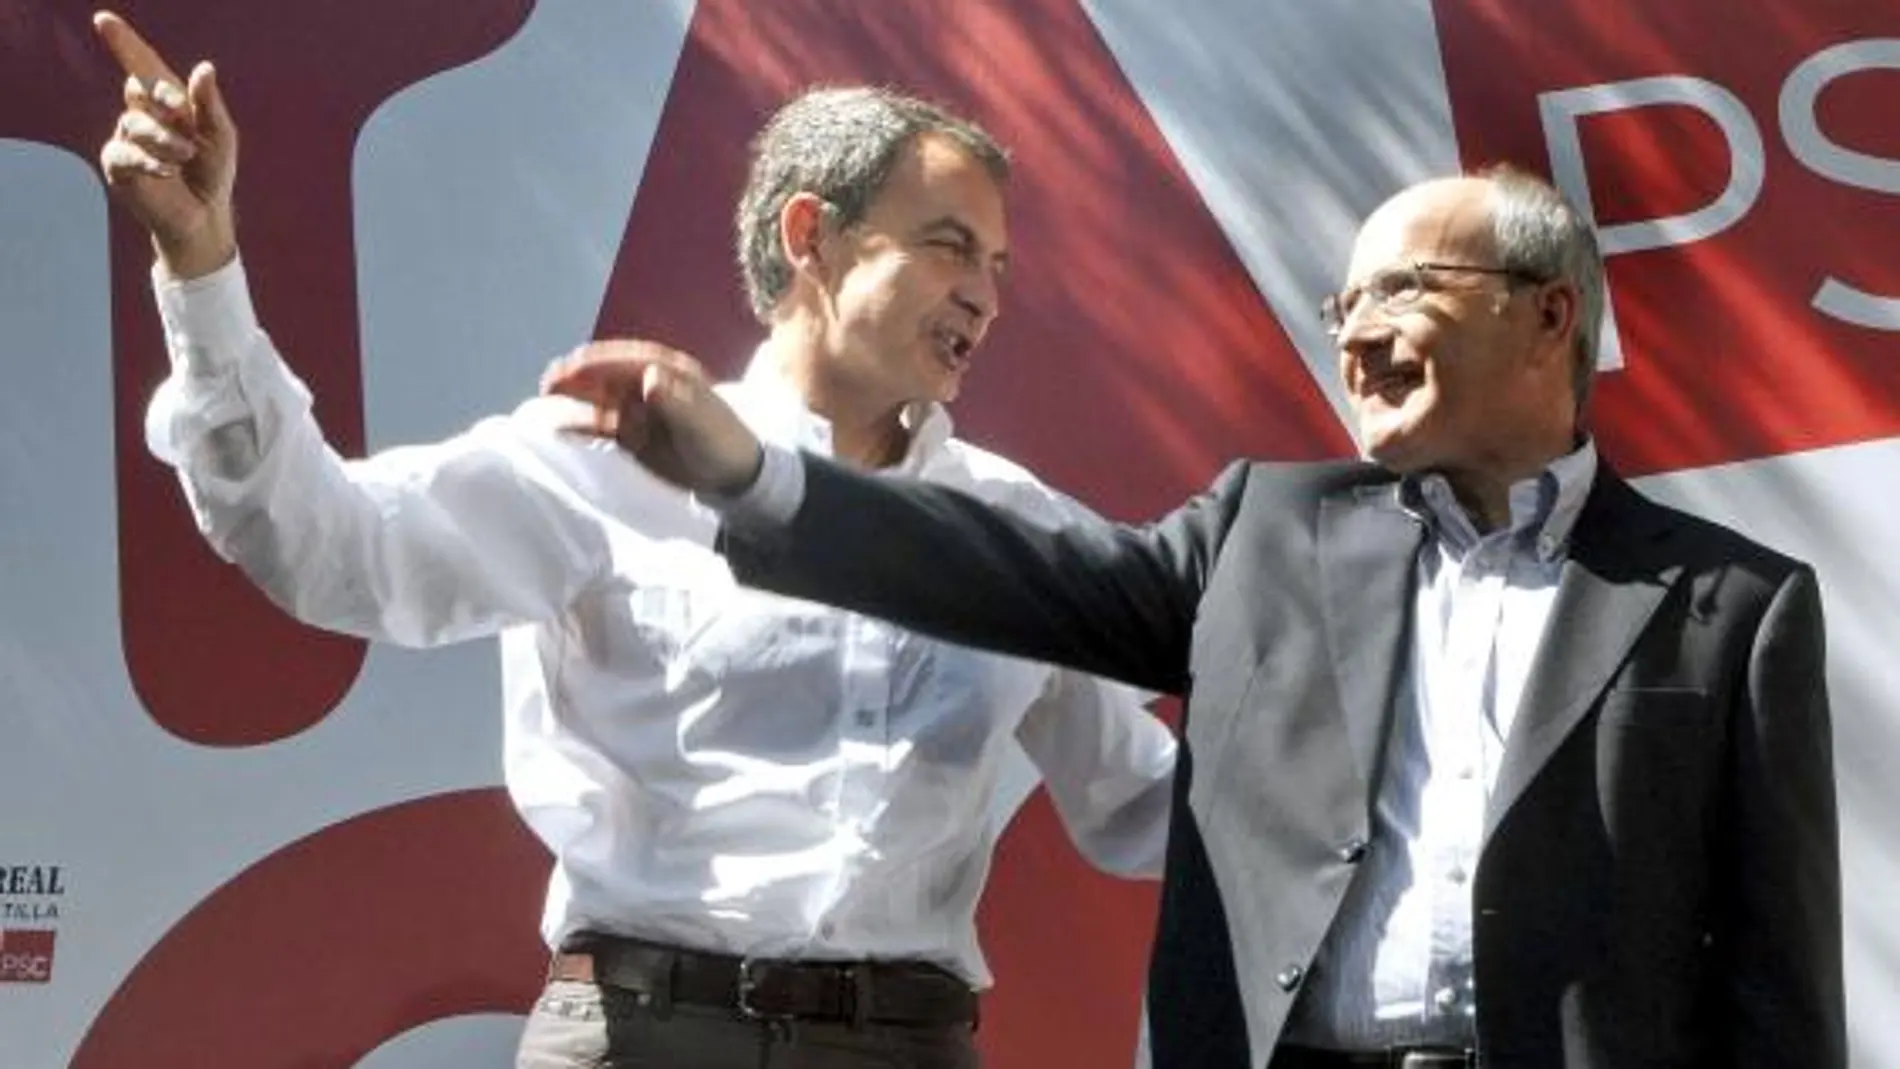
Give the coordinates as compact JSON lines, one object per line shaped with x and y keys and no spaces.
{"x":503,"y":524}
{"x":1109,"y":766}
{"x":1108,"y":762}
{"x":774,"y":497}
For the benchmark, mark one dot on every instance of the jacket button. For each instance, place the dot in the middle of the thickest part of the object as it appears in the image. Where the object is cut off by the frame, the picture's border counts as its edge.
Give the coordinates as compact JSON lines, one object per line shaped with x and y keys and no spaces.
{"x":1289,"y":977}
{"x":1354,"y":851}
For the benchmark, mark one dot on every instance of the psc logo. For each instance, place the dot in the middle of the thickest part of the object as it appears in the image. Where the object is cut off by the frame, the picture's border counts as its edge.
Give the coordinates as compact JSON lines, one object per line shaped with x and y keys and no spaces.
{"x":26,"y":956}
{"x":1741,"y":164}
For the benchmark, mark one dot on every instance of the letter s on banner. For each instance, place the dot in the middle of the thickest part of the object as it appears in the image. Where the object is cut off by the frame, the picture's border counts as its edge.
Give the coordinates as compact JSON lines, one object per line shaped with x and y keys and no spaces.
{"x":1824,"y":157}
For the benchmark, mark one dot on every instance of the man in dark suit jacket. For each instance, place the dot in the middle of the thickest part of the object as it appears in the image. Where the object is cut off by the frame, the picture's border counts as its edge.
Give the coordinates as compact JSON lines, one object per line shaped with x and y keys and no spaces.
{"x":1490,"y":760}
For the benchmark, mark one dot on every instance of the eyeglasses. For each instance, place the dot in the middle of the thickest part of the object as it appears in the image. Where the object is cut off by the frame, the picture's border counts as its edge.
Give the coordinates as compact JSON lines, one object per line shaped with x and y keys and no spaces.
{"x":1397,"y":289}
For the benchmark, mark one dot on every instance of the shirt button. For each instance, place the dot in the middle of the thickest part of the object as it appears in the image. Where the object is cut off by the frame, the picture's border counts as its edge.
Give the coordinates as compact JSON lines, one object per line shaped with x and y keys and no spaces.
{"x":866,"y":717}
{"x":827,"y":929}
{"x":1354,"y":851}
{"x":1467,"y":772}
{"x":1289,"y":977}
{"x":1445,"y":999}
{"x":1457,"y":874}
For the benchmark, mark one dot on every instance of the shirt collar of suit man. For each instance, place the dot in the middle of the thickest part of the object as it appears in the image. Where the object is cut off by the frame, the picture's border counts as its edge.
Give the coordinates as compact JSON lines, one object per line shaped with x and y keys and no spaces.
{"x":1544,"y":507}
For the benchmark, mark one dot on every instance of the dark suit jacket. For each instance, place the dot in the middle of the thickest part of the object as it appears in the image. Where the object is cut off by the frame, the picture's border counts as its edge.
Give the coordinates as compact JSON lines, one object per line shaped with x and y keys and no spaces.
{"x":1659,"y":880}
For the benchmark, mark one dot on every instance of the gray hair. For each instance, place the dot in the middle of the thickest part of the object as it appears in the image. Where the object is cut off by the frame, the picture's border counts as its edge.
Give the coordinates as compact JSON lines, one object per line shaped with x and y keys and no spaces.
{"x":1540,"y":233}
{"x":840,"y":144}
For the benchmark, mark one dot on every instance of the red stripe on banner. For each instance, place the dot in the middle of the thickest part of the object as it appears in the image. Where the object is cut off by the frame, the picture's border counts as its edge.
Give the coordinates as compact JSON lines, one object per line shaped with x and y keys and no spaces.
{"x":321,"y":952}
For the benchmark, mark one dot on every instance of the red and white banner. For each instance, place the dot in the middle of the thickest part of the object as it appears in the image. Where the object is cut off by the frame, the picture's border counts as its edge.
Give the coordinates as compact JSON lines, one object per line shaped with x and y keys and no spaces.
{"x":228,"y":840}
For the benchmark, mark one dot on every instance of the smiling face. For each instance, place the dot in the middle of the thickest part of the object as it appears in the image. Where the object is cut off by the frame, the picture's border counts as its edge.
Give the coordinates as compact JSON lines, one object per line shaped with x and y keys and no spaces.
{"x":1471,"y":376}
{"x":913,"y":286}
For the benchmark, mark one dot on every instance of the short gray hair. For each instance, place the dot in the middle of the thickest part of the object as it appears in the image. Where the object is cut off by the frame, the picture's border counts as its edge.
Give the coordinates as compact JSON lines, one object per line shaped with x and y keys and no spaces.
{"x":1539,"y":232}
{"x":840,"y":144}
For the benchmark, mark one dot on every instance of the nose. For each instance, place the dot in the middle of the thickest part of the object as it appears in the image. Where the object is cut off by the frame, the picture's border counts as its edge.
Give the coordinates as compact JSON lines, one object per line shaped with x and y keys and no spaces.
{"x":979,"y":295}
{"x":1364,"y":340}
{"x":1363,"y":331}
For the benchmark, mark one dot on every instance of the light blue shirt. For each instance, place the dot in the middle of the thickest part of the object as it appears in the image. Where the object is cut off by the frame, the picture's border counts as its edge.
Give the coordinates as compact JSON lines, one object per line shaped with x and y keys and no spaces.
{"x":1396,"y":967}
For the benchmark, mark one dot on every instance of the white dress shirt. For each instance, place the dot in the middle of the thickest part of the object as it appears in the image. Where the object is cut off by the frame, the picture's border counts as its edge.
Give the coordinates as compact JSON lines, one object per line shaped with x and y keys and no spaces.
{"x":711,"y":766}
{"x":1396,"y":967}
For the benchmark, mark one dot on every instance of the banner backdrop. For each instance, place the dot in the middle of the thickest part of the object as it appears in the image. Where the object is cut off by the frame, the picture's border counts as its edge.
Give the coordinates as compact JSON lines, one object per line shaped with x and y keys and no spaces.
{"x":228,"y":840}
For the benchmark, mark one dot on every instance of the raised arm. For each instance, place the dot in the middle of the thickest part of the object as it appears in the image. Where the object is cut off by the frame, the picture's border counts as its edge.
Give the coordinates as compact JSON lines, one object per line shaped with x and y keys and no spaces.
{"x":504,"y":524}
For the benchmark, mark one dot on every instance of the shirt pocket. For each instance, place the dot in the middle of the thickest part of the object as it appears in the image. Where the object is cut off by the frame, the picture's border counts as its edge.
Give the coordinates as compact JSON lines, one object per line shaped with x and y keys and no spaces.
{"x":736,"y":634}
{"x":643,"y":630}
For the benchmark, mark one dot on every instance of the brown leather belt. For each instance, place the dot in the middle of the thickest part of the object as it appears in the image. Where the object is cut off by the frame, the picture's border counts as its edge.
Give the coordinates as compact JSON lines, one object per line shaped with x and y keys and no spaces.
{"x":1291,"y":1057}
{"x":764,"y":989}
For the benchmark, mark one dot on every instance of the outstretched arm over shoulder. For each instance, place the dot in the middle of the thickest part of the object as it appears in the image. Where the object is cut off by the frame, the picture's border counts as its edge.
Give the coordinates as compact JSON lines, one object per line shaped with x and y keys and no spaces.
{"x":1114,"y":600}
{"x":1111,"y":599}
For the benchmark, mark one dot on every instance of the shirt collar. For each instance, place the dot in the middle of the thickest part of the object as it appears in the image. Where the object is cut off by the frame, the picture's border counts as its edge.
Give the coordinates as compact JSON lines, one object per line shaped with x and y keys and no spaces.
{"x":1544,"y":507}
{"x":769,"y":404}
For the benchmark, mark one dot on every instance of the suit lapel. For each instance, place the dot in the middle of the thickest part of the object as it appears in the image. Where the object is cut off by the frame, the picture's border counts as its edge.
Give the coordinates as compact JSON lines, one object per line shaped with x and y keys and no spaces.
{"x":1608,"y":589}
{"x":1368,"y":547}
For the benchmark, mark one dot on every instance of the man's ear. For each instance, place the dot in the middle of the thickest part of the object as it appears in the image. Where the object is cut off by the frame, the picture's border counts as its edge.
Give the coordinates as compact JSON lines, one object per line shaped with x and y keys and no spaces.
{"x":803,"y":225}
{"x":1558,"y":307}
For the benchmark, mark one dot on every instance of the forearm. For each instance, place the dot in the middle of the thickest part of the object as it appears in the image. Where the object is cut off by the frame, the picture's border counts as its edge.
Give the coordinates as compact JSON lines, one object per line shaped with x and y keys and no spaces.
{"x":418,"y":546}
{"x":1108,"y":763}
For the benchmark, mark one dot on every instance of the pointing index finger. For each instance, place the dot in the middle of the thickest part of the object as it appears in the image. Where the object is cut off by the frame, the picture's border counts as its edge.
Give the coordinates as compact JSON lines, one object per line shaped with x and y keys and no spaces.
{"x":133,"y":55}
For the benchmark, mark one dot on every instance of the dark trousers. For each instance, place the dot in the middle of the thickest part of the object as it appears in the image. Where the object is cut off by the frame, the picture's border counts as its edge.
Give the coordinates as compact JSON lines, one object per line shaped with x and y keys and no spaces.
{"x":586,"y":1026}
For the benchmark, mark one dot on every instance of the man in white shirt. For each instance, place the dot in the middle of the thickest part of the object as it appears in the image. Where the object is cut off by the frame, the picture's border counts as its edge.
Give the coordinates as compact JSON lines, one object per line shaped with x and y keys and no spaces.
{"x":770,"y":819}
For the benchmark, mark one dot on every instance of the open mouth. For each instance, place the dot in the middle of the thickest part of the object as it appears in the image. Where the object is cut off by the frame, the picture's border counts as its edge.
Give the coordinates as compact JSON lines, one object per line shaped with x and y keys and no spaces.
{"x":1392,"y":383}
{"x":953,"y":347}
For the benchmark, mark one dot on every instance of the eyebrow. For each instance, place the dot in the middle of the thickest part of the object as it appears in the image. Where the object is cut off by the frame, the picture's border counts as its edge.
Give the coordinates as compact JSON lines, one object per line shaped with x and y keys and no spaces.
{"x":1383,"y":269}
{"x":964,"y":233}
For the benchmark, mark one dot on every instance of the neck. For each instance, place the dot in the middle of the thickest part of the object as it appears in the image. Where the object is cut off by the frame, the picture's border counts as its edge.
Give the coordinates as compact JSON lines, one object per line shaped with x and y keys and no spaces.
{"x":873,"y":445}
{"x":1486,"y":498}
{"x":1485,"y":489}
{"x":866,"y":431}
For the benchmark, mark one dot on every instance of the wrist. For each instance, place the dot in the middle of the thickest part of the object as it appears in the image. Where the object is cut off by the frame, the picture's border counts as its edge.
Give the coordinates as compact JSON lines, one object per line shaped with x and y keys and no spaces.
{"x":198,"y":254}
{"x":770,"y":497}
{"x":746,"y":477}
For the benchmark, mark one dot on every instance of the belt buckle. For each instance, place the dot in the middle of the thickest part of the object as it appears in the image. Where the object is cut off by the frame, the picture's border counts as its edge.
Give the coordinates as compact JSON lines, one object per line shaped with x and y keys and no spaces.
{"x":748,"y":982}
{"x":1445,"y":1058}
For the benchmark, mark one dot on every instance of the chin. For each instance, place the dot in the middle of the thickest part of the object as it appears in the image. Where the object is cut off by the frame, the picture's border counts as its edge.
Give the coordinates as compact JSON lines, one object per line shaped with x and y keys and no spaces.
{"x":1394,"y":438}
{"x":947,"y":390}
{"x":1392,"y":448}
